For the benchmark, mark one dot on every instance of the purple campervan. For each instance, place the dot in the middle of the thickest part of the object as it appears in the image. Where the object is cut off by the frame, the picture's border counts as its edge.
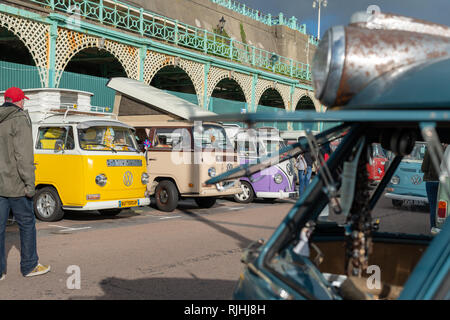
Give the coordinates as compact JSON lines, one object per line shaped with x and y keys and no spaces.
{"x":276,"y":182}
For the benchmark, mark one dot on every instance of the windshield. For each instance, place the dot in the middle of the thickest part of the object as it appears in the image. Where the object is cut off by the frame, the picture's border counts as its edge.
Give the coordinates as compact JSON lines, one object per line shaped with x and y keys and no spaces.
{"x":274,"y":146}
{"x":107,"y":138}
{"x":378,"y":151}
{"x":418,"y":152}
{"x":211,"y":137}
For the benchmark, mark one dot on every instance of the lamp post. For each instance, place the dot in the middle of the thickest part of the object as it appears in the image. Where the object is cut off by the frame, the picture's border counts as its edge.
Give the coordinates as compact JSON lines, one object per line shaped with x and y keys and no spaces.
{"x":319,"y":4}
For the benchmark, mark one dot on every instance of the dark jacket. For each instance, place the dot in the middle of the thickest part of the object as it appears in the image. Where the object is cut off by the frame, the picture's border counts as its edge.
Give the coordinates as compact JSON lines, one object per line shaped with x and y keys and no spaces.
{"x":308,"y":158}
{"x":17,"y":177}
{"x":429,"y":172}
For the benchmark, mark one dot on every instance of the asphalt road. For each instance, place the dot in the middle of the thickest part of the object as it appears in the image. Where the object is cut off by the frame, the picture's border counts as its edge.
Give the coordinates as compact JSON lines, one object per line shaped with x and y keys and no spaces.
{"x":147,"y":254}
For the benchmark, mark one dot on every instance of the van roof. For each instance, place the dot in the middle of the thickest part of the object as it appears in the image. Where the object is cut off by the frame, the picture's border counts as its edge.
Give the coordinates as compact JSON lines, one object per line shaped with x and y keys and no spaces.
{"x":56,"y":119}
{"x":155,"y":98}
{"x":150,"y":121}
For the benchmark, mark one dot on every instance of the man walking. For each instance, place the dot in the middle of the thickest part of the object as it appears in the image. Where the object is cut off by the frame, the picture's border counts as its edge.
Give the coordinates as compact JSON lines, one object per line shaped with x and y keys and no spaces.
{"x":301,"y":167}
{"x":17,"y":182}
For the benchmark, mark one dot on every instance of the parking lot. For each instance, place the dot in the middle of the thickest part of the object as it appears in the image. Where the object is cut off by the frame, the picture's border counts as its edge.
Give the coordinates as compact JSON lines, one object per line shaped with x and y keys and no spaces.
{"x":143,"y":253}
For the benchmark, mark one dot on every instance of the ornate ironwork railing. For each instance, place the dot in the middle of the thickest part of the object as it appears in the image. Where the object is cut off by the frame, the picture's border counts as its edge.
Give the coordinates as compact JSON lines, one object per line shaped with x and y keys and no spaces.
{"x":259,"y":16}
{"x":134,"y":19}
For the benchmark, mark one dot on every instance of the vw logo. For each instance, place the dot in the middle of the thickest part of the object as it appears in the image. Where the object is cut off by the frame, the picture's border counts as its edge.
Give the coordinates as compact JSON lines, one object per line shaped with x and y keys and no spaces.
{"x":128,"y":178}
{"x":416,"y":179}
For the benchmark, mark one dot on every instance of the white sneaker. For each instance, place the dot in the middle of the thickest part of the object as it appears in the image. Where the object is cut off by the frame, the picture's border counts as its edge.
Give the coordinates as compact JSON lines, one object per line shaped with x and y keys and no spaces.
{"x":435,"y":231}
{"x":3,"y":276}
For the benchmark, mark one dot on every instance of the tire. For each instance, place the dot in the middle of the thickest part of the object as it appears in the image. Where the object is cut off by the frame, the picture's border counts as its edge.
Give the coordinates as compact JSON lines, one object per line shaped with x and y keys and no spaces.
{"x":47,"y":205}
{"x":110,"y":212}
{"x":206,"y":202}
{"x":166,"y":196}
{"x":397,"y":203}
{"x":247,"y":195}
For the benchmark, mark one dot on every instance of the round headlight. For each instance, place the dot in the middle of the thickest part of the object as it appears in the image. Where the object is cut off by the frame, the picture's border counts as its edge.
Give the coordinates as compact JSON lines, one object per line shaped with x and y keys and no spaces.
{"x":101,"y":180}
{"x":278,"y":178}
{"x":328,"y":64}
{"x":395,"y":180}
{"x":212,"y":172}
{"x":145,"y":178}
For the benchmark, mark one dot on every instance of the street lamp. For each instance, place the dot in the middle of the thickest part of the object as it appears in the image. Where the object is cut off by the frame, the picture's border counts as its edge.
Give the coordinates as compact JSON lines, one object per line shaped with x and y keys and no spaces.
{"x":319,"y":4}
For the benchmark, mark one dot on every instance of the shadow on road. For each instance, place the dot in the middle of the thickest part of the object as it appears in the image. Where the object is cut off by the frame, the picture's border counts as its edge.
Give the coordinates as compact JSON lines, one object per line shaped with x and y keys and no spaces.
{"x":164,"y":289}
{"x":96,"y":216}
{"x":243,"y":242}
{"x":12,"y":240}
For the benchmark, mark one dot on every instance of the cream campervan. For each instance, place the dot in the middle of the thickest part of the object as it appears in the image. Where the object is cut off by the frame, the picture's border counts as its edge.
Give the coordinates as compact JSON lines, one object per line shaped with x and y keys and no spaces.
{"x":181,"y":154}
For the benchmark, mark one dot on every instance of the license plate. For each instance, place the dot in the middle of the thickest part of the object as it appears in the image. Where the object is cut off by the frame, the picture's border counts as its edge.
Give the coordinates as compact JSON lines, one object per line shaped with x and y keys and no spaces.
{"x":123,"y":163}
{"x":128,"y":203}
{"x":418,"y":203}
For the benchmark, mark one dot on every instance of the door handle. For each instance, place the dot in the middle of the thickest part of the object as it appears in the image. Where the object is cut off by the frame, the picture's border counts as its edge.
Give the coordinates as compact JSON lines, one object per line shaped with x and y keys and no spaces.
{"x":152,"y":159}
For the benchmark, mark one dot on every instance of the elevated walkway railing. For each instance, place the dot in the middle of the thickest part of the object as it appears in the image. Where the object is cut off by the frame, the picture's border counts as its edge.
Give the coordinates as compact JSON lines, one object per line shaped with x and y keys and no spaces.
{"x":130,"y":18}
{"x":257,"y":15}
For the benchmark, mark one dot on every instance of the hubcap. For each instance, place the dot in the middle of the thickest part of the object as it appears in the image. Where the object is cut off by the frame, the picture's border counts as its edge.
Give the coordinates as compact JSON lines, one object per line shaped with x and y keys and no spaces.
{"x":163,"y":196}
{"x":46,"y":205}
{"x":245,"y":194}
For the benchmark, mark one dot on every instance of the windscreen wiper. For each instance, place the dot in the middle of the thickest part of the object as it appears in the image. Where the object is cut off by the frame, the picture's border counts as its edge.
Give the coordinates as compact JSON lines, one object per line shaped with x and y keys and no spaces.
{"x":103,"y":145}
{"x":128,"y":146}
{"x":330,"y":185}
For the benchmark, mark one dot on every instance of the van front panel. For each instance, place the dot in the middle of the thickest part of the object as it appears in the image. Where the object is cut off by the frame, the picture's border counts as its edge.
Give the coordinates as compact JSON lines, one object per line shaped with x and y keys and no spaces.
{"x":123,"y":177}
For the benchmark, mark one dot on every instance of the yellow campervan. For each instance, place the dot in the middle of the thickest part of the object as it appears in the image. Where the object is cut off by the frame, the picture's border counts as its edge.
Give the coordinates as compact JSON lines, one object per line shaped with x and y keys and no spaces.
{"x":84,"y":160}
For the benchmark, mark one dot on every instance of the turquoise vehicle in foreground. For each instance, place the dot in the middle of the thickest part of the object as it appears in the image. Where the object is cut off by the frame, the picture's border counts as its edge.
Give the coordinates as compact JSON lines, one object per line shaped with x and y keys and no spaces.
{"x":407,"y":184}
{"x":384,"y":79}
{"x":443,"y":198}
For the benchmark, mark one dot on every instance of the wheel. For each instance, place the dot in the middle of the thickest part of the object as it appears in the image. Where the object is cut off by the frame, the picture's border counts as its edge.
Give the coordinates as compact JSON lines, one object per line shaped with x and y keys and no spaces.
{"x":166,"y":196}
{"x":206,"y":202}
{"x":247,"y":195}
{"x":397,"y":203}
{"x":110,"y":212}
{"x":47,"y":205}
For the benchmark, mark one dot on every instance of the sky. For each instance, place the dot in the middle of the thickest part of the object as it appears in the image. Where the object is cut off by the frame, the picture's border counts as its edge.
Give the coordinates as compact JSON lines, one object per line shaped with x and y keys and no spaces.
{"x":338,"y":12}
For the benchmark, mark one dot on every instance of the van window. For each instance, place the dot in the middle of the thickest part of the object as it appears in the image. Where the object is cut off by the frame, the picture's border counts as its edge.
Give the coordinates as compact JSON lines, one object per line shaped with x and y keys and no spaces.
{"x":171,"y":138}
{"x":211,"y":137}
{"x":142,"y":137}
{"x":106,"y":138}
{"x":378,"y":151}
{"x":272,"y":146}
{"x":418,"y":153}
{"x":246,"y":148}
{"x":55,"y":138}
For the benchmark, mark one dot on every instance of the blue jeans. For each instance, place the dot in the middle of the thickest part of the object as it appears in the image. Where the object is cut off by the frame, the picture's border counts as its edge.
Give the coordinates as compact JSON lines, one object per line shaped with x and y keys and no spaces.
{"x":308,"y":176}
{"x":432,"y":191}
{"x":22,"y":209}
{"x":304,"y":177}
